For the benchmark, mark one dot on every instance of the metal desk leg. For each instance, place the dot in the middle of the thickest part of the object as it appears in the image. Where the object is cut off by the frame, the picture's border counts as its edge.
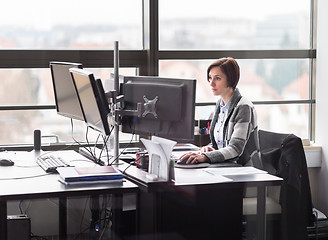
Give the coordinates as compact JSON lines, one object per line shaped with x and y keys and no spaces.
{"x":117,"y":208}
{"x":62,"y":217}
{"x":3,"y":219}
{"x":261,"y":214}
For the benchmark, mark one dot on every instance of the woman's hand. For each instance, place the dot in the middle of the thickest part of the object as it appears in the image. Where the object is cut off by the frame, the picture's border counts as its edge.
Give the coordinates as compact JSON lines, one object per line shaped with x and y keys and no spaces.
{"x":192,"y":158}
{"x":207,"y":149}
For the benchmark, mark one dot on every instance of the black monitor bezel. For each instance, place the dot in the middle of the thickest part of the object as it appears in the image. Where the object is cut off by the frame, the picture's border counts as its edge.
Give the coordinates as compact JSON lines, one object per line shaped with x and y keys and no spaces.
{"x":186,"y":133}
{"x":101,"y":106}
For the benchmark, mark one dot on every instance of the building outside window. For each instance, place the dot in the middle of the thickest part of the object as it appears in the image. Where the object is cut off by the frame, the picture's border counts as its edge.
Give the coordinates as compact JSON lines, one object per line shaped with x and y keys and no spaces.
{"x":273,"y":45}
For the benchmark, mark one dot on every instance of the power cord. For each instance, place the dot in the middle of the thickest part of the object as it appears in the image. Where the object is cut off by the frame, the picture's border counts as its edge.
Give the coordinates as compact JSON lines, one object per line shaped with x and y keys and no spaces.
{"x":77,"y":142}
{"x":123,"y":149}
{"x":130,"y":164}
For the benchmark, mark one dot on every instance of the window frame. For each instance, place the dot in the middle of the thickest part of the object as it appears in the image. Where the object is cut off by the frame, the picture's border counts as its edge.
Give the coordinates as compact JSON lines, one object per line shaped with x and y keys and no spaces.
{"x":147,"y":60}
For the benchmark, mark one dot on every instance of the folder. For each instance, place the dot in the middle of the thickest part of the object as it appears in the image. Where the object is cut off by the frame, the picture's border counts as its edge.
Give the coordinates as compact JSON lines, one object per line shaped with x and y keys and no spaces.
{"x":96,"y":174}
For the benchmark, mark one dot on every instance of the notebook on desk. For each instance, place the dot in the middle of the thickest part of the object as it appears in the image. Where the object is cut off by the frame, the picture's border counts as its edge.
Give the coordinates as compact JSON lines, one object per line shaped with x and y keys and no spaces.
{"x":96,"y":174}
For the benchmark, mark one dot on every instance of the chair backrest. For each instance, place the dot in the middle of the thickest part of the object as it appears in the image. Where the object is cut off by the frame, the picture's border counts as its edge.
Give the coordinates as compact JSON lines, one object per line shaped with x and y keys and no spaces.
{"x":283,"y":155}
{"x":270,"y":148}
{"x":269,"y":140}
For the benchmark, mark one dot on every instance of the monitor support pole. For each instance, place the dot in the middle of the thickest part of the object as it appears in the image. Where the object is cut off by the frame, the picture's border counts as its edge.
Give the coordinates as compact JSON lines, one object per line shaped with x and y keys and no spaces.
{"x":118,"y":110}
{"x":116,"y":88}
{"x":117,"y":105}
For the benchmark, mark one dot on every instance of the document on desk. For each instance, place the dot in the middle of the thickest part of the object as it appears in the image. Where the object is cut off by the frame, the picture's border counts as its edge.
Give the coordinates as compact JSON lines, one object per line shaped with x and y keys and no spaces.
{"x":159,"y":150}
{"x":74,"y":175}
{"x":230,"y":171}
{"x":197,"y":176}
{"x":166,"y":144}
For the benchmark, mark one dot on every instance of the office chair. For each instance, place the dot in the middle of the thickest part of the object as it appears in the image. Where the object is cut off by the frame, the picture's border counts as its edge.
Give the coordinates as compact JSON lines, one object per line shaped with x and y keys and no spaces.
{"x":291,"y":204}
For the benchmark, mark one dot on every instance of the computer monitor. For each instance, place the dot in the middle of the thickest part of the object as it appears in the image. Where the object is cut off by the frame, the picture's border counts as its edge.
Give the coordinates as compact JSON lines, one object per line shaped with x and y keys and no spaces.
{"x":169,"y":107}
{"x":92,"y":100}
{"x":67,"y":103}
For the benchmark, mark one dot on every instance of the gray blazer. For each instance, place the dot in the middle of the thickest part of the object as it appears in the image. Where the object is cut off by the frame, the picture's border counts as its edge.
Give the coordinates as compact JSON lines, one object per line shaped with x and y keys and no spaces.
{"x":240,"y":133}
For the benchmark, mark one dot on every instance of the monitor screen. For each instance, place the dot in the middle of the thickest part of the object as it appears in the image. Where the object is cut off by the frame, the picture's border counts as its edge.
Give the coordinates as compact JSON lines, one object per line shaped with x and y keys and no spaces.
{"x":92,"y":100}
{"x":67,"y":103}
{"x":168,"y":107}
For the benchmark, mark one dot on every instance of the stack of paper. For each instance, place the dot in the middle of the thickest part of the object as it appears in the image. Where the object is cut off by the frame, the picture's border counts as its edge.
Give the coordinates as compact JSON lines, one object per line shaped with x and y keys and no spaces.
{"x":97,"y":174}
{"x":159,"y":150}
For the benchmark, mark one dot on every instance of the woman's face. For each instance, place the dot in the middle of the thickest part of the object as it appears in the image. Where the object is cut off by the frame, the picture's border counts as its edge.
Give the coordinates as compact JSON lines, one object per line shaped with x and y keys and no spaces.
{"x":218,"y":82}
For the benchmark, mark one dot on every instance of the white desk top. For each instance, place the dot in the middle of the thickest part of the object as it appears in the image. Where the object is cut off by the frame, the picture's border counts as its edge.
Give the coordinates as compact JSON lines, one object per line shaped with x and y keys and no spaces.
{"x":250,"y":176}
{"x":26,"y":178}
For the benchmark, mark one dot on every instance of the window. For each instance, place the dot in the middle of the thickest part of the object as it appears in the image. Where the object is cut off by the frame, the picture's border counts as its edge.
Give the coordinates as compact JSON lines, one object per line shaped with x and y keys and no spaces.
{"x":260,"y":80}
{"x":71,"y":24}
{"x":221,"y":25}
{"x":21,"y":87}
{"x":269,"y":79}
{"x":272,"y":42}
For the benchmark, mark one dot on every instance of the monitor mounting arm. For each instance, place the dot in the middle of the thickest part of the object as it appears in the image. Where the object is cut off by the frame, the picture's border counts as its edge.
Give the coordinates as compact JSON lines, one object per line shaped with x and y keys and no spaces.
{"x":117,"y":107}
{"x":150,"y":106}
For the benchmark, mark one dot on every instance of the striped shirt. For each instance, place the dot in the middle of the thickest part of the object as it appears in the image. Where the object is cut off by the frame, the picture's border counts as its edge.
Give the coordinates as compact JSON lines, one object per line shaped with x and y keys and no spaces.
{"x":218,"y":129}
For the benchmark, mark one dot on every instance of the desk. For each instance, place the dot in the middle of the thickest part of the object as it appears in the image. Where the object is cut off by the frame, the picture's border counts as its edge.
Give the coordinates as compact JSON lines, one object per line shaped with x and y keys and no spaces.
{"x":47,"y":186}
{"x":188,"y":210}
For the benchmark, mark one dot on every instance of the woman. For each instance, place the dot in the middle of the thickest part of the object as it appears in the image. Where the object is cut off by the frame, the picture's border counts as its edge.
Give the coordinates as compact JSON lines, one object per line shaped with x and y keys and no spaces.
{"x":233,"y":130}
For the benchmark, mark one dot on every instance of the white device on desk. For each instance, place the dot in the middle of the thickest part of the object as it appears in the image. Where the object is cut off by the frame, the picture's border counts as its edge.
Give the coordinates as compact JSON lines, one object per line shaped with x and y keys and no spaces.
{"x":152,"y":177}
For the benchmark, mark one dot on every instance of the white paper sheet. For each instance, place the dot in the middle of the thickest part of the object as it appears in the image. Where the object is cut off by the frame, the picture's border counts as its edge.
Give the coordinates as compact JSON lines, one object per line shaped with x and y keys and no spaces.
{"x":229,"y":171}
{"x":166,"y":144}
{"x":159,"y":150}
{"x":197,"y":176}
{"x":158,"y":164}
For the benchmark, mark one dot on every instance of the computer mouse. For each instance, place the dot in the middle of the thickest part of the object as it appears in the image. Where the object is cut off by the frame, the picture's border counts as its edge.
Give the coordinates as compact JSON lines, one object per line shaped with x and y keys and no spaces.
{"x":182,"y":161}
{"x":6,"y":162}
{"x":183,"y":164}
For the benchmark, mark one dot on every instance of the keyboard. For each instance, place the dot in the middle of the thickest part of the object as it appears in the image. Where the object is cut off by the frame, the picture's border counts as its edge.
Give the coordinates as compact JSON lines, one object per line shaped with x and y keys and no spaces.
{"x":49,"y":163}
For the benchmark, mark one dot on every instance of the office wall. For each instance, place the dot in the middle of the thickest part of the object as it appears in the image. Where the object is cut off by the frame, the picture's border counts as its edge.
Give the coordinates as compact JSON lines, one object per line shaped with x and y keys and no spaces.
{"x":322,"y":105}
